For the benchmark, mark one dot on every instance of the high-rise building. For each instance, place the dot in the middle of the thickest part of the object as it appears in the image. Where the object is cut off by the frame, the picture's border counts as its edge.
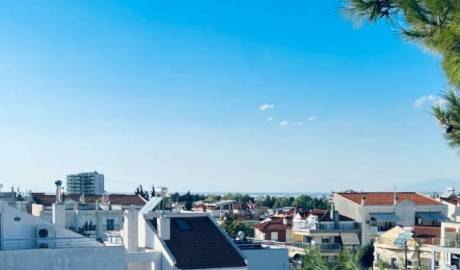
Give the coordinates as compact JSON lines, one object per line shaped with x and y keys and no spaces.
{"x":85,"y":183}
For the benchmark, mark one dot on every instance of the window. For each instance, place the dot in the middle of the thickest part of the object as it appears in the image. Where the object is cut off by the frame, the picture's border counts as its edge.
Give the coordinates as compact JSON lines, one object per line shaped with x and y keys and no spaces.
{"x":274,"y":236}
{"x":325,"y":240}
{"x":394,"y":263}
{"x":110,"y":224}
{"x":307,"y":239}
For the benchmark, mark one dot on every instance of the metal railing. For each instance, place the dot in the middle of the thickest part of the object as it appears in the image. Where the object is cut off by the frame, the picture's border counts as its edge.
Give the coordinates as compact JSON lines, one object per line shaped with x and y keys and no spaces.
{"x":322,"y":246}
{"x":54,"y":243}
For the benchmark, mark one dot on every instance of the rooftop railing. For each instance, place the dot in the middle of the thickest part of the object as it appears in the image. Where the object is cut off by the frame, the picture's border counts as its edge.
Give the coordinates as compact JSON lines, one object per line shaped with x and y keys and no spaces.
{"x":55,"y":243}
{"x":323,"y":247}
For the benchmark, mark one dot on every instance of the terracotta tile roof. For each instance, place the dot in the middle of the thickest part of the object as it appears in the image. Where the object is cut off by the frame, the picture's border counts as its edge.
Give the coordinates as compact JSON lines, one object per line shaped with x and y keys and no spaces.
{"x":116,"y":199}
{"x":196,"y":243}
{"x":272,"y":224}
{"x":427,"y":231}
{"x":386,"y":198}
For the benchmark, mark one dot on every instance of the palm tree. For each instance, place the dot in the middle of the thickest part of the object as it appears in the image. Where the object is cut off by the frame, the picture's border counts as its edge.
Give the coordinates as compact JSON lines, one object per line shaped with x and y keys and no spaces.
{"x":433,"y":24}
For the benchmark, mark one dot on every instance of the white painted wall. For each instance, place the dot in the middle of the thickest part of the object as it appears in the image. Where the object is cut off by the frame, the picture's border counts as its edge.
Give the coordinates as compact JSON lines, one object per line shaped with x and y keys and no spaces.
{"x":16,"y":224}
{"x":105,"y":258}
{"x":267,"y":259}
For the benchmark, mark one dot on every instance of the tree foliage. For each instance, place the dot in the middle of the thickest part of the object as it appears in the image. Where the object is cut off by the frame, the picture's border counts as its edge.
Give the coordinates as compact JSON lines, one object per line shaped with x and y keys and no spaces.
{"x":232,"y":225}
{"x":433,"y":24}
{"x":347,"y":259}
{"x":140,"y":191}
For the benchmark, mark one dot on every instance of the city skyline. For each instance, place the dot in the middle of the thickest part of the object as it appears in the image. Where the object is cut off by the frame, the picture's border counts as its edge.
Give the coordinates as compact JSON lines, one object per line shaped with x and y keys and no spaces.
{"x":214,"y":98}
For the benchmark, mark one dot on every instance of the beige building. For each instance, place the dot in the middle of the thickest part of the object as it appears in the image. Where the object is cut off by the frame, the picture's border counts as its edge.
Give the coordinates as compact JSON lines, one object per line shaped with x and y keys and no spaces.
{"x":377,"y":212}
{"x":398,"y":245}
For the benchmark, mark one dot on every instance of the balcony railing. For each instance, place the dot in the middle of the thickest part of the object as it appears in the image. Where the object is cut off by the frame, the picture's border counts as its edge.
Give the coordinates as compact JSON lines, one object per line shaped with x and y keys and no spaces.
{"x":331,"y":247}
{"x":53,"y":243}
{"x":320,"y":228}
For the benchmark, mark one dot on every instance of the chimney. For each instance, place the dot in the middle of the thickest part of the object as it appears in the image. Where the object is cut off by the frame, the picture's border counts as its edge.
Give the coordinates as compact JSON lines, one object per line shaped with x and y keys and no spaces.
{"x":164,"y":226}
{"x":332,"y":212}
{"x":130,"y":229}
{"x":58,"y":184}
{"x":58,"y":208}
{"x":363,"y":200}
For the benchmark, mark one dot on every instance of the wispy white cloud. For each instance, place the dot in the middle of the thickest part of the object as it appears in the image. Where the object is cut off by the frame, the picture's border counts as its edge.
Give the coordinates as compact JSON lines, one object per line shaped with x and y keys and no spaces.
{"x":270,"y":119}
{"x":429,"y":99}
{"x":284,"y":123}
{"x":297,"y":124}
{"x":311,"y":118}
{"x":266,"y":107}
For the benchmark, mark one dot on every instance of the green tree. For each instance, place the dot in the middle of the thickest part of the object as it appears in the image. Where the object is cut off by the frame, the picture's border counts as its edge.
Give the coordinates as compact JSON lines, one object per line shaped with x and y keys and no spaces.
{"x":313,"y":260}
{"x":232,"y":225}
{"x":347,"y":259}
{"x":433,"y":24}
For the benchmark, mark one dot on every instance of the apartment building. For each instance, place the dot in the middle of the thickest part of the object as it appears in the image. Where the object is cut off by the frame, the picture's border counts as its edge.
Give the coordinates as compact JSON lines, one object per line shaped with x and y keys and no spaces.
{"x":377,"y":212}
{"x":85,"y":183}
{"x":326,"y":230}
{"x":97,"y":216}
{"x":28,"y":242}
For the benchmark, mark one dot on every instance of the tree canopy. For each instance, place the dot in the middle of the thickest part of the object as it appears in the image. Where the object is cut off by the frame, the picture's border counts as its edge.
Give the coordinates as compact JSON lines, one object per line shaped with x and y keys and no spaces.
{"x":433,"y":24}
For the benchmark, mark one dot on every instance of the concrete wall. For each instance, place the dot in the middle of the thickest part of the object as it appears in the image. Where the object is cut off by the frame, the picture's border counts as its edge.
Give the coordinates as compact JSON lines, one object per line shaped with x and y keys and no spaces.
{"x":64,"y":259}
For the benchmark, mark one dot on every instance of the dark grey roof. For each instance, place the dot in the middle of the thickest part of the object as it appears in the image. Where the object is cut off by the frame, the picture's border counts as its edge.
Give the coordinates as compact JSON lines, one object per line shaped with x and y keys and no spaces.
{"x":196,"y":243}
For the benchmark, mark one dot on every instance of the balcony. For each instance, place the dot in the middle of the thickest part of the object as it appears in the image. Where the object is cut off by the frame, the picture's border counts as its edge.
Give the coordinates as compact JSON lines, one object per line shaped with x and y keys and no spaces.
{"x":320,"y":228}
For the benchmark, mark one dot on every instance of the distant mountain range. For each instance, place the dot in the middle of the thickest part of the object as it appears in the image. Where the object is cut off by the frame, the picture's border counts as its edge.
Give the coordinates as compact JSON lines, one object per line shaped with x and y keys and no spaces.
{"x":435,"y":185}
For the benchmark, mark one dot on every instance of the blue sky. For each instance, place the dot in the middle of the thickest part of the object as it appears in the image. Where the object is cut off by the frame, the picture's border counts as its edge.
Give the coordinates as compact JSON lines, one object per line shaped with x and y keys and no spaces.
{"x":169,"y":93}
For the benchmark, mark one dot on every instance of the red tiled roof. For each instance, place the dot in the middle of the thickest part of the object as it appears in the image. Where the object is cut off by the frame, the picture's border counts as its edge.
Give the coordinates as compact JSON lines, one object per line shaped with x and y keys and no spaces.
{"x":427,"y":231}
{"x":118,"y":199}
{"x":386,"y":198}
{"x":274,"y":224}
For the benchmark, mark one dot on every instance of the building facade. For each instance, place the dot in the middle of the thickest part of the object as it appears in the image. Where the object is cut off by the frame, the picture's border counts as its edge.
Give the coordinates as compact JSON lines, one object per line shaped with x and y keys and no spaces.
{"x":85,"y":183}
{"x":377,"y":212}
{"x":90,"y":215}
{"x":326,"y":230}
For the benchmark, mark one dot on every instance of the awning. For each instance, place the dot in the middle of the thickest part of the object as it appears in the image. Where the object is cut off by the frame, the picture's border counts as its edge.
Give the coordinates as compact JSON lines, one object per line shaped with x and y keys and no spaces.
{"x":349,"y":238}
{"x":430,"y":216}
{"x":385,"y":217}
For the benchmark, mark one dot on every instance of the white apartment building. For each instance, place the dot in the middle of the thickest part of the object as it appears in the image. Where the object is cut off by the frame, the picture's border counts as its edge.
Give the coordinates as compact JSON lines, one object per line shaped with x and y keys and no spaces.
{"x":85,"y":183}
{"x":97,"y":216}
{"x":326,"y":230}
{"x":378,"y":212}
{"x":28,"y":242}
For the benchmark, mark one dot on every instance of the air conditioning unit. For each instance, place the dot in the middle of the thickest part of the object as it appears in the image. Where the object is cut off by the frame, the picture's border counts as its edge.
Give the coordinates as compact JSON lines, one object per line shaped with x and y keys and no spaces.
{"x":46,"y":236}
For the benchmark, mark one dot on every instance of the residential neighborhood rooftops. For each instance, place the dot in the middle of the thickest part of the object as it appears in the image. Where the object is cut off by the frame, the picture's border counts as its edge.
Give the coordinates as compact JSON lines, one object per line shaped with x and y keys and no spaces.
{"x":387,"y":198}
{"x":117,"y":199}
{"x":197,"y":243}
{"x":272,"y":224}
